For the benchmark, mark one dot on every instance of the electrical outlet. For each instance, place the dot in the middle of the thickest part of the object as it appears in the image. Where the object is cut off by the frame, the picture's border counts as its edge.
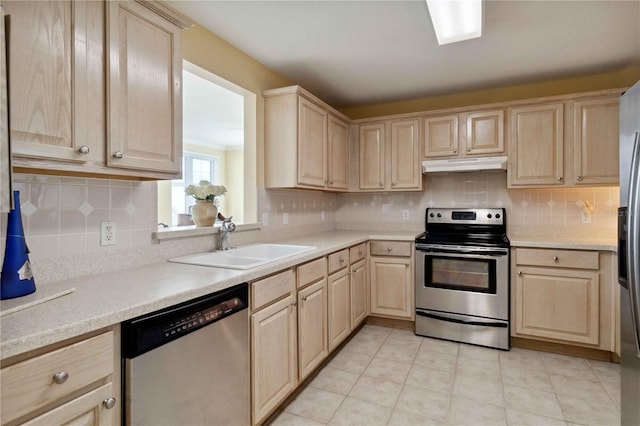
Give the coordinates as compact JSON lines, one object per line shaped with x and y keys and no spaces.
{"x":323,"y":216}
{"x":585,"y":216}
{"x":265,"y":219}
{"x":405,"y":214}
{"x":107,"y":233}
{"x":285,"y":218}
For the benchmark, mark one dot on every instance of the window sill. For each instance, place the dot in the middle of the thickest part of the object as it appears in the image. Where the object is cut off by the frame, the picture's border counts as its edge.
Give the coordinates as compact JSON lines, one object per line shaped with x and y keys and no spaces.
{"x":194,"y":231}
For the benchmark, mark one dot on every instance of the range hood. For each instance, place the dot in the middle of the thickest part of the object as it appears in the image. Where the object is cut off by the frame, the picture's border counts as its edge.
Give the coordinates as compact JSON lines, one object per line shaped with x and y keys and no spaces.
{"x":464,"y":165}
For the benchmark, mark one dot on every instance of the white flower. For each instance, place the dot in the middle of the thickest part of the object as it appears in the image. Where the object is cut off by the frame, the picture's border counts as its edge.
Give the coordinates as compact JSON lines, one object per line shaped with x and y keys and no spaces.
{"x":205,"y":190}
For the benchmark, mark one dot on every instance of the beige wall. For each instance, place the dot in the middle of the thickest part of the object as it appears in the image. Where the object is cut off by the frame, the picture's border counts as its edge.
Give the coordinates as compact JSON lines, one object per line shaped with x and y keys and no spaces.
{"x":612,"y":80}
{"x":234,"y":204}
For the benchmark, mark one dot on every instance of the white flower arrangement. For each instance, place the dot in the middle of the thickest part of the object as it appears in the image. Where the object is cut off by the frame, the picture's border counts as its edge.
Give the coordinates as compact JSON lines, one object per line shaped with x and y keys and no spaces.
{"x":205,"y":190}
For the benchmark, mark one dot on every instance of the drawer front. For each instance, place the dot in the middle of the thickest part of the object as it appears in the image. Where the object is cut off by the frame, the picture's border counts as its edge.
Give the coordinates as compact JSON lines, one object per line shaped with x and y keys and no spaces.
{"x":30,"y":384}
{"x":357,"y":252}
{"x":272,"y":288}
{"x":579,"y":259}
{"x":312,"y":272}
{"x":338,"y":260}
{"x":390,"y":248}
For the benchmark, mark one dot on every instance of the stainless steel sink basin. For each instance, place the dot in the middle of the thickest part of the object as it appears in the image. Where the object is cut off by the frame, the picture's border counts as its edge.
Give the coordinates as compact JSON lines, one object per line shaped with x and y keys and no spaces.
{"x":245,"y":257}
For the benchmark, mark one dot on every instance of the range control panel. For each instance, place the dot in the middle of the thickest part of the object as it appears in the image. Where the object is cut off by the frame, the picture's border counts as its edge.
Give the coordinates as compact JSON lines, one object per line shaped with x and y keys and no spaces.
{"x":466,"y":216}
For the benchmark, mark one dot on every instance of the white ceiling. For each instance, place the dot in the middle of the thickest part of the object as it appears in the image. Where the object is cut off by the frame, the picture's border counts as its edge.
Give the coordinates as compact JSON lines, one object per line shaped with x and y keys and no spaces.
{"x":362,"y":52}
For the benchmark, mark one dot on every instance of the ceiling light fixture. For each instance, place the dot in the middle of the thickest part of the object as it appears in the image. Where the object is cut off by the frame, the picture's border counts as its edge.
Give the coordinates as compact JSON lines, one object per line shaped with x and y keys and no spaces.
{"x":456,"y":20}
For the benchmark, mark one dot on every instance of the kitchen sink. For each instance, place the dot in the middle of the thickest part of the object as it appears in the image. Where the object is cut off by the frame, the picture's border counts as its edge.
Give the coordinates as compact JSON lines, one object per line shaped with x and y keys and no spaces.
{"x":244,"y":257}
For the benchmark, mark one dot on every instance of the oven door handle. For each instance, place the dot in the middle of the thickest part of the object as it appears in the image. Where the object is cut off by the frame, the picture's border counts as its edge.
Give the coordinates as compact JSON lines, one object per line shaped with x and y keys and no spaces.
{"x":444,"y":317}
{"x":461,"y":252}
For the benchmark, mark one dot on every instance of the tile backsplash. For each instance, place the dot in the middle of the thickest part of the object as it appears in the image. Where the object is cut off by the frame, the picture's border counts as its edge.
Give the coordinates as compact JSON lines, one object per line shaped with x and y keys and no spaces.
{"x":62,"y":215}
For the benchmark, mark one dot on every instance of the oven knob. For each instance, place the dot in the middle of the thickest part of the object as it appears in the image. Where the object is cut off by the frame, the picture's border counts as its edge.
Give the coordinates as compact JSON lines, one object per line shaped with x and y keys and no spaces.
{"x":439,"y":215}
{"x":498,"y":216}
{"x":489,"y":215}
{"x":431,"y":215}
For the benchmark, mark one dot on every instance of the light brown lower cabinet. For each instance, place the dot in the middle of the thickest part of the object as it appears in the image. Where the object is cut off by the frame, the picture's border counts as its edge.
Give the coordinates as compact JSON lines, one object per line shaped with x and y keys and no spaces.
{"x":74,"y":383}
{"x":312,"y":327}
{"x":339,"y":307}
{"x":564,"y":296}
{"x":358,"y":287}
{"x":274,"y":343}
{"x":391,"y":279}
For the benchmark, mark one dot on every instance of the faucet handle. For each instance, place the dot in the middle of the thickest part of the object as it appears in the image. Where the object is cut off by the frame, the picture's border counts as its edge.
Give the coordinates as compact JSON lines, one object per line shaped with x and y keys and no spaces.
{"x":231,"y":227}
{"x":228,"y":220}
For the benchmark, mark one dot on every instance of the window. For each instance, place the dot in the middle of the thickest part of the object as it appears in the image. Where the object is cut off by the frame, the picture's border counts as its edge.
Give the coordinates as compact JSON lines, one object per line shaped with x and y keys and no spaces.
{"x":196,"y":167}
{"x":219,"y":140}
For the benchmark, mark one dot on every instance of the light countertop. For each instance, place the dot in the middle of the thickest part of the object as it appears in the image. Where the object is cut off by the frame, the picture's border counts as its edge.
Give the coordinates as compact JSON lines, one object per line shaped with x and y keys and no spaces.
{"x":595,"y":243}
{"x":93,"y":302}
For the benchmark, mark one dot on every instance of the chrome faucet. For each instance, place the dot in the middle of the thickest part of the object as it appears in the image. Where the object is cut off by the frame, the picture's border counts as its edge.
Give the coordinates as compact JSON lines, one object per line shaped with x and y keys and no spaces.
{"x":227,"y":226}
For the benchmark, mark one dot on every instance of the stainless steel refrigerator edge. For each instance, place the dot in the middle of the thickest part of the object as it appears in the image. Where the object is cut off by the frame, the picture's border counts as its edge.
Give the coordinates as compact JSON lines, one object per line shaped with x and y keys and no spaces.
{"x":628,"y":249}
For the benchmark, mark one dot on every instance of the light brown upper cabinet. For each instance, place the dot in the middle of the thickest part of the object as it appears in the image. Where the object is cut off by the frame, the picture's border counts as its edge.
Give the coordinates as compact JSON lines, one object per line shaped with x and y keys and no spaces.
{"x":144,"y":97}
{"x":595,"y":141}
{"x":390,"y":156}
{"x":536,"y":145}
{"x":306,"y":142}
{"x":62,"y":100}
{"x":573,"y":141}
{"x":467,"y":133}
{"x":53,"y":80}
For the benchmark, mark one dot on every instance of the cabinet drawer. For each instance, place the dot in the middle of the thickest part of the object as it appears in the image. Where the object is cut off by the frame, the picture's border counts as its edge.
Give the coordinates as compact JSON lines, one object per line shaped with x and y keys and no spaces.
{"x":357,"y":252}
{"x":272,"y":288}
{"x":338,"y":260}
{"x":579,"y":259}
{"x":312,"y":271}
{"x":30,"y":384}
{"x":390,"y":248}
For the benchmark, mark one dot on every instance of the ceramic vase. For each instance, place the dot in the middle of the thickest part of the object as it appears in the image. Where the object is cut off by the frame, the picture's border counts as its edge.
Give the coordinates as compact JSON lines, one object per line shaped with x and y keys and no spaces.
{"x":17,"y":278}
{"x":204,"y":213}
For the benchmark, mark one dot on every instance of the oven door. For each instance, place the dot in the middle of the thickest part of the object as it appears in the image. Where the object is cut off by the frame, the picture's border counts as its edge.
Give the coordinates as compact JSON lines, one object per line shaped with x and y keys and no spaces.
{"x":463,"y":280}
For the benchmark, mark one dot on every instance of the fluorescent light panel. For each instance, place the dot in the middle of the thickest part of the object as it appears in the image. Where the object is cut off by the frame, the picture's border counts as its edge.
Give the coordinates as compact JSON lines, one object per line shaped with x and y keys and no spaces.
{"x":456,"y":20}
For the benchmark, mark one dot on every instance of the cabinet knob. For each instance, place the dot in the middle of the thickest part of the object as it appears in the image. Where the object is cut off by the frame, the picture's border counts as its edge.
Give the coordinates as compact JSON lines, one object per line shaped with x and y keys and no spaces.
{"x":519,"y":272}
{"x":60,"y":377}
{"x":555,"y":258}
{"x":294,"y":304}
{"x":468,"y":149}
{"x":360,"y":253}
{"x":579,"y":178}
{"x":341,"y":261}
{"x":560,"y":179}
{"x":389,"y":249}
{"x":304,"y":299}
{"x":118,"y":154}
{"x":381,"y":184}
{"x":455,"y":151}
{"x":84,"y":149}
{"x":109,"y":403}
{"x":331,"y":182}
{"x":393,"y":184}
{"x":406,"y":264}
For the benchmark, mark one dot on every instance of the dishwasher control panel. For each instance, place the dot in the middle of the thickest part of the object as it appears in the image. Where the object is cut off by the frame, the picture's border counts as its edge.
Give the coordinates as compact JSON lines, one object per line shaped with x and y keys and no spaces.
{"x":150,"y":331}
{"x":203,"y":317}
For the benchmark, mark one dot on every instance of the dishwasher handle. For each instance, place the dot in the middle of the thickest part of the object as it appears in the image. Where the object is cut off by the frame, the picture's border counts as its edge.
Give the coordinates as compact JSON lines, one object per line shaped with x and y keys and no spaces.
{"x":147,"y":332}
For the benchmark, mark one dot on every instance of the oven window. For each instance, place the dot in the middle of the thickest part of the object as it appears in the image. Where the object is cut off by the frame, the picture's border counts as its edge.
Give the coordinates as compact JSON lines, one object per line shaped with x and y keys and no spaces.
{"x":477,"y":275}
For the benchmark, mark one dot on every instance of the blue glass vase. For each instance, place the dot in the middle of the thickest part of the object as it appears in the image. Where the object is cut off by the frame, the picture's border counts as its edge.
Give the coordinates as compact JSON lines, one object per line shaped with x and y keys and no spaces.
{"x":17,"y":278}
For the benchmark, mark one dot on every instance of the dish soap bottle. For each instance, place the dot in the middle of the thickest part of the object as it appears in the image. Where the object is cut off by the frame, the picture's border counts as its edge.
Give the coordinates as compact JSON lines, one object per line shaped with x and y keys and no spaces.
{"x":17,"y":278}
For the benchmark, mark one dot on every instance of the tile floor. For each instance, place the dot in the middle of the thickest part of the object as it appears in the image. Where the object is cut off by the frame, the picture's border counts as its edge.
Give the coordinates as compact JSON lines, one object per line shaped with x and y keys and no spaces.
{"x":386,"y":376}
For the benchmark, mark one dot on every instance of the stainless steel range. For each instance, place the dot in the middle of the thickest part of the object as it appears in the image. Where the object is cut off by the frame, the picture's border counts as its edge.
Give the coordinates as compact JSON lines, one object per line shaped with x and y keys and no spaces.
{"x":462,"y":277}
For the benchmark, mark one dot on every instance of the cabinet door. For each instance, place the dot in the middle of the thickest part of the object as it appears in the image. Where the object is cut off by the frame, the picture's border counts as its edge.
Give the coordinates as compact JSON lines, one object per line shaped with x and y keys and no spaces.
{"x":485,"y":133}
{"x":372,"y":156}
{"x":536,"y":145}
{"x":88,"y":409}
{"x":312,"y":139}
{"x":405,"y":155}
{"x":441,"y":136}
{"x":338,"y":154}
{"x":274,"y":355}
{"x":339,"y":316}
{"x":312,"y":327}
{"x":560,"y":304}
{"x":391,"y":286}
{"x":47,"y":81}
{"x":358,"y":287}
{"x":144,"y":68}
{"x":596,"y":139}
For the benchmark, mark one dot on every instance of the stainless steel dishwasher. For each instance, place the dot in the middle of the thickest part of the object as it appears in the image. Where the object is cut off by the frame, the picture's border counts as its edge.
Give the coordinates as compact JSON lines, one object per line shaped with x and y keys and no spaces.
{"x":189,"y":364}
